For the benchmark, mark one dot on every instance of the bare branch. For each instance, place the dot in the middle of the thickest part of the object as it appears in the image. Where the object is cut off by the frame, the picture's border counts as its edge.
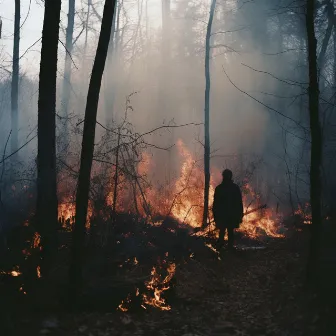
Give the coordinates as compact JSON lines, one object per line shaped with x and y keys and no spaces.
{"x":25,"y":144}
{"x":269,"y":107}
{"x":289,"y":82}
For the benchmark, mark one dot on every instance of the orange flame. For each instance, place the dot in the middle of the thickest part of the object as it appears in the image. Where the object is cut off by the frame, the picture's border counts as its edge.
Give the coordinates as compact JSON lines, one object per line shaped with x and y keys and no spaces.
{"x":156,"y":286}
{"x":15,"y":273}
{"x":182,"y":200}
{"x":38,"y":271}
{"x":304,"y":213}
{"x":159,"y":287}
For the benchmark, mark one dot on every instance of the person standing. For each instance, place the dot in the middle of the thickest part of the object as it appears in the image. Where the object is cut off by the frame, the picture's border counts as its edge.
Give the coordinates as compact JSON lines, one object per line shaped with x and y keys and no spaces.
{"x":227,"y":208}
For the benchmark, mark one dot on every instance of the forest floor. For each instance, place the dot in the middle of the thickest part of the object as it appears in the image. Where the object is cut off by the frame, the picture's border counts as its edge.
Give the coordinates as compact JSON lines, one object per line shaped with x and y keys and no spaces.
{"x":252,"y":292}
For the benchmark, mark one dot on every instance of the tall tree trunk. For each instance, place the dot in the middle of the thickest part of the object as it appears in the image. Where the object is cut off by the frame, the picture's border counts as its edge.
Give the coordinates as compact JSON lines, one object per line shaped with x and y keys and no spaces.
{"x":207,"y":115}
{"x":82,"y":196}
{"x":165,"y":85}
{"x":15,"y":80}
{"x":87,"y":27}
{"x":46,"y":208}
{"x":115,"y":193}
{"x":67,"y":69}
{"x":84,"y":75}
{"x":110,"y":66}
{"x":325,"y":43}
{"x":316,"y":141}
{"x":165,"y":27}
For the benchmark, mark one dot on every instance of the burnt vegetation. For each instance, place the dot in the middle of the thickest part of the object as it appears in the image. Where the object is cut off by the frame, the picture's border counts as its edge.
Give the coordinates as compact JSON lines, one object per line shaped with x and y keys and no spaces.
{"x":112,"y":147}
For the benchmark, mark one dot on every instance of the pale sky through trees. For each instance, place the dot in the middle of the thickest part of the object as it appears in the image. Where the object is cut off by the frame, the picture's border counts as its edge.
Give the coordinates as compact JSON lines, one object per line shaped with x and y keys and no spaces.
{"x":32,"y":29}
{"x":30,"y":33}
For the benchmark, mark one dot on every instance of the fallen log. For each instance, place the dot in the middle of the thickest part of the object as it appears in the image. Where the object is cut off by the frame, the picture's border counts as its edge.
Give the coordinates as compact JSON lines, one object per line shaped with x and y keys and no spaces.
{"x":245,"y":214}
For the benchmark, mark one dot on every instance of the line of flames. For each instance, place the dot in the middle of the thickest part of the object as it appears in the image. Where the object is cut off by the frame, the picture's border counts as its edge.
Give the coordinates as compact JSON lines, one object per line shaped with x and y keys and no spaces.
{"x":185,"y":202}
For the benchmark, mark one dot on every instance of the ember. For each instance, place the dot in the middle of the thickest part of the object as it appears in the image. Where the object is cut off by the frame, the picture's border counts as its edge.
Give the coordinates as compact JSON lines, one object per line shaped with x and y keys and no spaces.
{"x":304,"y":213}
{"x":14,"y":273}
{"x":38,"y":271}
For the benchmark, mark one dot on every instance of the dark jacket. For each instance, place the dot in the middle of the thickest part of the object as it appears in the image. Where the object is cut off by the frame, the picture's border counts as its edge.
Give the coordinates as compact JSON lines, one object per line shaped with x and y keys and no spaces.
{"x":228,"y":205}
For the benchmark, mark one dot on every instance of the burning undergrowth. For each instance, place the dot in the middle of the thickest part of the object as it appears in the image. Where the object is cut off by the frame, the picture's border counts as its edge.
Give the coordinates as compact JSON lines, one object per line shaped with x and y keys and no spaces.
{"x":138,"y":233}
{"x":154,"y":290}
{"x":128,"y":189}
{"x":141,"y":232}
{"x":136,"y":267}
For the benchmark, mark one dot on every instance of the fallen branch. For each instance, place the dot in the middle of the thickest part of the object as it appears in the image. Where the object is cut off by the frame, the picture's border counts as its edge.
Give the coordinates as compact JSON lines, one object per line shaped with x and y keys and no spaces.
{"x":245,"y":214}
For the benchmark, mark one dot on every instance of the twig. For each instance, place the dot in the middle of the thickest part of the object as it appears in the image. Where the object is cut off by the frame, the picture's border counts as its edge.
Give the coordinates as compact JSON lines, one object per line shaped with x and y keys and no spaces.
{"x":25,"y":144}
{"x":284,"y":51}
{"x":29,"y":48}
{"x":229,"y":31}
{"x":67,"y":51}
{"x":3,"y":157}
{"x":79,"y":35}
{"x":275,"y":77}
{"x":187,"y":214}
{"x":2,"y":173}
{"x":181,"y":191}
{"x":268,"y":107}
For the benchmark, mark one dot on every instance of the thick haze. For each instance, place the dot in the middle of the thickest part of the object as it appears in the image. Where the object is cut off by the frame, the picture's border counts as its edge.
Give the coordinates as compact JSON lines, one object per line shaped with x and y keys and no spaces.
{"x":165,"y":67}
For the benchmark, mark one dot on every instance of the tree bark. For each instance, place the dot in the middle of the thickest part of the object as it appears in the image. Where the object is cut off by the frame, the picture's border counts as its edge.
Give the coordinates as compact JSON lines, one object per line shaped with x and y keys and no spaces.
{"x":87,"y":27}
{"x":115,"y":193}
{"x":325,"y":43}
{"x":15,"y":81}
{"x":207,"y":116}
{"x":67,"y":69}
{"x":46,"y":208}
{"x":316,"y":141}
{"x":82,"y":196}
{"x":113,"y":59}
{"x":166,"y":80}
{"x":109,"y":87}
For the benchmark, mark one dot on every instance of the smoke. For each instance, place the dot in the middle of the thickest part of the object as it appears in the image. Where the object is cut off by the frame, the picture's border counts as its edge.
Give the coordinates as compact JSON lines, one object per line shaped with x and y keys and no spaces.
{"x":163,"y":66}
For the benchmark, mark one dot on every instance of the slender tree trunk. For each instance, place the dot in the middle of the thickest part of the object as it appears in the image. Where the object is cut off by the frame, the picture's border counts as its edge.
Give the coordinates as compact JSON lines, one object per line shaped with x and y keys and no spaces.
{"x":15,"y":80}
{"x":84,"y":74}
{"x":117,"y":39}
{"x":46,"y":208}
{"x":316,"y":141}
{"x":115,"y":194}
{"x":165,"y":28}
{"x":82,"y":196}
{"x":334,"y":63}
{"x":207,"y":115}
{"x":67,"y":69}
{"x":116,"y":49}
{"x":109,"y":87}
{"x":325,"y":43}
{"x":87,"y":27}
{"x":166,"y":80}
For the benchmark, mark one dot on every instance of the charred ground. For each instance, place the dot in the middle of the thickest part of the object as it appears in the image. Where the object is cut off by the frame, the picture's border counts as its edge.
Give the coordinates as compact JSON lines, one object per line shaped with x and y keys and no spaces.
{"x":147,"y":280}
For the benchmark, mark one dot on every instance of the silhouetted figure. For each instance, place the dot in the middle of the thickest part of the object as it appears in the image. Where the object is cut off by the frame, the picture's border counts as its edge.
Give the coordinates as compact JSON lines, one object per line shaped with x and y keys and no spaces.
{"x":227,"y":208}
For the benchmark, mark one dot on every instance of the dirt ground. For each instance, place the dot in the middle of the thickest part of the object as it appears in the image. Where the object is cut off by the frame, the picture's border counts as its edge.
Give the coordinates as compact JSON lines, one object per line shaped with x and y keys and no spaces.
{"x":251,"y":292}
